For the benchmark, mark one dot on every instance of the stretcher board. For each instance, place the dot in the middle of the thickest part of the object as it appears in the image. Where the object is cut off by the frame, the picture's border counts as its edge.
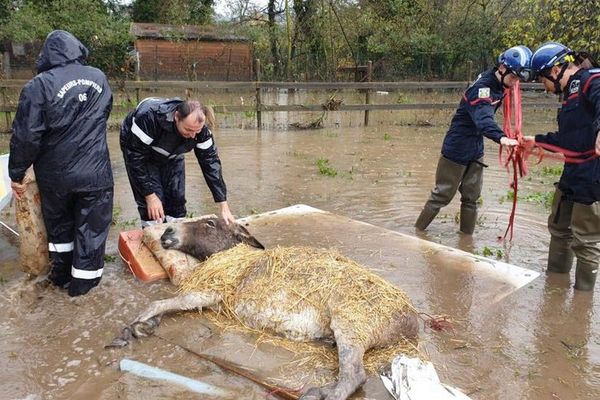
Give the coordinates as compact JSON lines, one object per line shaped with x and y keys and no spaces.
{"x":408,"y":261}
{"x":417,"y":259}
{"x":138,"y":257}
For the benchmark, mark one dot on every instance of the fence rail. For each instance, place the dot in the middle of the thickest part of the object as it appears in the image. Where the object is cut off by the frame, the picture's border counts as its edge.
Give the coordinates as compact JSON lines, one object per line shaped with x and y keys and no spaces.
{"x":258,"y":87}
{"x":253,"y":85}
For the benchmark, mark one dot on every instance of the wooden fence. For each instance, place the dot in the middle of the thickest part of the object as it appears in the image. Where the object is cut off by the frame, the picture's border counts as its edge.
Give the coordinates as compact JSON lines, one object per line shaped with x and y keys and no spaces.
{"x":259,"y":107}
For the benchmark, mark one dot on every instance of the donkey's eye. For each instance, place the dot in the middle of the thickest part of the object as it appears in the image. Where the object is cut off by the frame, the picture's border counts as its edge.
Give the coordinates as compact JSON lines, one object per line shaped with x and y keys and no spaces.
{"x":211,"y":223}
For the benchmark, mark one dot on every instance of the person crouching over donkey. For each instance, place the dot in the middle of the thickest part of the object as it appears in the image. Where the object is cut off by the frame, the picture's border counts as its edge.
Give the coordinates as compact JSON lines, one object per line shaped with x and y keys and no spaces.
{"x":154,"y":138}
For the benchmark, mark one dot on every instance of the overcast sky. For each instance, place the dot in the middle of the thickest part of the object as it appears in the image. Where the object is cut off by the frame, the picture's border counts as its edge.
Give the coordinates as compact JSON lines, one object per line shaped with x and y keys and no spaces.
{"x":220,"y":5}
{"x":222,"y":9}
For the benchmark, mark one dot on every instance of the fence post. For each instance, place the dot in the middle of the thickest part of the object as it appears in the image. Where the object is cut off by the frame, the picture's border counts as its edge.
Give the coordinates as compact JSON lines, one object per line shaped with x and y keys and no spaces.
{"x":469,"y":70}
{"x":6,"y":72}
{"x":137,"y":67}
{"x":368,"y":92}
{"x":258,"y":99}
{"x":5,"y":106}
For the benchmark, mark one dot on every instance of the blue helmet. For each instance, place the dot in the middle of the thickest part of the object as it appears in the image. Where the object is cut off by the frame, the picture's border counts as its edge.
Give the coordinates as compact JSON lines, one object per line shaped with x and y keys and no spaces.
{"x":518,"y":60}
{"x":550,"y":54}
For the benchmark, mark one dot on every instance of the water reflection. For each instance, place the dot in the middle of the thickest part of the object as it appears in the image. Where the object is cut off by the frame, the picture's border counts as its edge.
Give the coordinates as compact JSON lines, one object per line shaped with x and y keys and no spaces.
{"x":561,"y":355}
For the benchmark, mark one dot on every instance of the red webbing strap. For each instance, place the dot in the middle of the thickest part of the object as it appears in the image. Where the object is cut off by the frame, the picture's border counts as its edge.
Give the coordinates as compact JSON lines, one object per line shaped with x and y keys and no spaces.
{"x":564,"y":155}
{"x":517,"y":156}
{"x":513,"y":157}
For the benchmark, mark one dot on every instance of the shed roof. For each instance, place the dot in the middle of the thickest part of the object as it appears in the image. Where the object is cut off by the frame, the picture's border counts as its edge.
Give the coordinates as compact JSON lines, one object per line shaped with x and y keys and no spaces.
{"x":186,"y":32}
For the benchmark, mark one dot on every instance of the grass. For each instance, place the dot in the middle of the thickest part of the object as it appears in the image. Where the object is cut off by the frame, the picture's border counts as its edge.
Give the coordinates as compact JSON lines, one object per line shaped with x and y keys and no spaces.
{"x":405,"y":99}
{"x":250,"y":114}
{"x":110,"y":258}
{"x":552,"y":171}
{"x":492,"y":252}
{"x":543,"y":198}
{"x":118,"y":221}
{"x":325,"y":168}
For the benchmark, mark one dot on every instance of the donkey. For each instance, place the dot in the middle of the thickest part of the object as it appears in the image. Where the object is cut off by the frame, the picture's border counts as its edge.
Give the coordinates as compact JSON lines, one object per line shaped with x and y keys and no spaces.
{"x":326,"y":319}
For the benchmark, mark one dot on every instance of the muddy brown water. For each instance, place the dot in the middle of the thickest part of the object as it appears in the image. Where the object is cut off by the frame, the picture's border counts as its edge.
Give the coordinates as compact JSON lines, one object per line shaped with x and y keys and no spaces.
{"x":540,"y":342}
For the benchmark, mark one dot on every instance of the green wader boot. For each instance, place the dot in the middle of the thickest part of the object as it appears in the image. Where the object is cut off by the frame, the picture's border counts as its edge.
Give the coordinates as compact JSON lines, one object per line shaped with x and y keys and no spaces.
{"x":425,"y":218}
{"x":448,"y":176}
{"x":470,"y":190}
{"x":560,"y":256}
{"x":468,"y":219}
{"x":585,"y":275}
{"x":585,"y":224}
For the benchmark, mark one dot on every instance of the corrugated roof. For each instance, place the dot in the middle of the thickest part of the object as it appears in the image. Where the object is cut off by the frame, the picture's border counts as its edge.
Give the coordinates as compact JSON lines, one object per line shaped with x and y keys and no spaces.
{"x":187,"y":32}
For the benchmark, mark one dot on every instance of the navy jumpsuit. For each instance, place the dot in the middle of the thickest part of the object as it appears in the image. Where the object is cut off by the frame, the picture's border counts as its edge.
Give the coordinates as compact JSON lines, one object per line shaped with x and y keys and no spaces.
{"x":574,"y":223}
{"x":460,"y":167}
{"x":153,"y":151}
{"x":60,"y":128}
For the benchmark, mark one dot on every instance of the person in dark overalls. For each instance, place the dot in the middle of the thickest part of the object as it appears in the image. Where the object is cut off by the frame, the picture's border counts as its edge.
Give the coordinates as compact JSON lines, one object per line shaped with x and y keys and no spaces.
{"x":60,"y":128}
{"x":460,"y":167}
{"x":154,"y":138}
{"x":574,"y":222}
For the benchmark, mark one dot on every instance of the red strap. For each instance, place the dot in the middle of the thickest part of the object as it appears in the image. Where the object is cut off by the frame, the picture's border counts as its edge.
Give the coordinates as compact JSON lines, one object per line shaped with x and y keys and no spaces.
{"x":517,"y":156}
{"x":587,"y":83}
{"x":568,"y":156}
{"x":513,"y":156}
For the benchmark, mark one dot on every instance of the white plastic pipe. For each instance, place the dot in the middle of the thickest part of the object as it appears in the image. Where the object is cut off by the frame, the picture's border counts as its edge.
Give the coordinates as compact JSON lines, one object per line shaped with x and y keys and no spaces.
{"x":148,"y":371}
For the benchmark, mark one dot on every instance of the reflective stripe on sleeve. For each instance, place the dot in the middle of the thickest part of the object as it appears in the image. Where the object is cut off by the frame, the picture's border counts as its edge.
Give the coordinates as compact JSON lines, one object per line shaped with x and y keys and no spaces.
{"x":146,"y":99}
{"x":161,"y":151}
{"x":60,"y":247}
{"x":85,"y":274}
{"x":205,"y":145}
{"x":137,"y":131}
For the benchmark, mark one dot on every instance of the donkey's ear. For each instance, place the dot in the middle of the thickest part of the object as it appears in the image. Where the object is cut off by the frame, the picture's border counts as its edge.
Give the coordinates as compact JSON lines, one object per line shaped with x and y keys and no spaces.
{"x":242,"y":234}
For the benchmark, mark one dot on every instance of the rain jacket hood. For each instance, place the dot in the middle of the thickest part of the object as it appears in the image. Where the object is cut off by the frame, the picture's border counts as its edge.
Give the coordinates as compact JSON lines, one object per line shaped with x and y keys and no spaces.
{"x":60,"y":124}
{"x":60,"y":48}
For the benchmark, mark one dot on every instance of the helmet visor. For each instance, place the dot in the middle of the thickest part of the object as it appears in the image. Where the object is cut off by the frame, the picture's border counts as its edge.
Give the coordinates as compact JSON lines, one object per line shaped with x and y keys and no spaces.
{"x":545,"y":73}
{"x":524,"y":74}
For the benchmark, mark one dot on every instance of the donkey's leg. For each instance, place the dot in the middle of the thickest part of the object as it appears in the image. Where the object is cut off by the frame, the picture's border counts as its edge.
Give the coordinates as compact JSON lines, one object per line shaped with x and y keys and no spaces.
{"x":351,"y":370}
{"x":190,"y":301}
{"x":149,"y":319}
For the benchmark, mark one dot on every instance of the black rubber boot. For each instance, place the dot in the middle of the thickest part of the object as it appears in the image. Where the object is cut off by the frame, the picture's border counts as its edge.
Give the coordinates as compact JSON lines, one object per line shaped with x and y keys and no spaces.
{"x":60,"y":276}
{"x":585,"y":275}
{"x":468,"y":219}
{"x":560,"y":256}
{"x":80,"y":287}
{"x":425,"y":218}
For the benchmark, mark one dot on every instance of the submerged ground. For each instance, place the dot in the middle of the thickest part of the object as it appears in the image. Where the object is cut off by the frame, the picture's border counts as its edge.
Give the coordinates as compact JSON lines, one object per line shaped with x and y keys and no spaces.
{"x":540,"y":342}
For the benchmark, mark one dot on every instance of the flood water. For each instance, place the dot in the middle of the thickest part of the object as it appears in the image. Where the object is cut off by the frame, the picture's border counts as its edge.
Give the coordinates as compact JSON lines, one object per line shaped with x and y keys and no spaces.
{"x":540,"y":342}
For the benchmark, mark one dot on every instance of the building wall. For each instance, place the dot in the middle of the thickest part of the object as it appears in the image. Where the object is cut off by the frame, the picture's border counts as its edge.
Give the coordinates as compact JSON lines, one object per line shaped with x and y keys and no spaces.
{"x":194,"y":60}
{"x":18,"y":60}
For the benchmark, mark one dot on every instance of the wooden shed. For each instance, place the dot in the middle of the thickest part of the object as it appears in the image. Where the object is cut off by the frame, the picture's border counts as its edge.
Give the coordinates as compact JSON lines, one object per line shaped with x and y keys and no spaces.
{"x":189,"y":52}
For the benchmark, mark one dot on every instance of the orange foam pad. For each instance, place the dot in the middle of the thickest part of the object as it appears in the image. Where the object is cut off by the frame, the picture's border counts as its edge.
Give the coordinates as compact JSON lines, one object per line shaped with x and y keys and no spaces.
{"x":138,"y":257}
